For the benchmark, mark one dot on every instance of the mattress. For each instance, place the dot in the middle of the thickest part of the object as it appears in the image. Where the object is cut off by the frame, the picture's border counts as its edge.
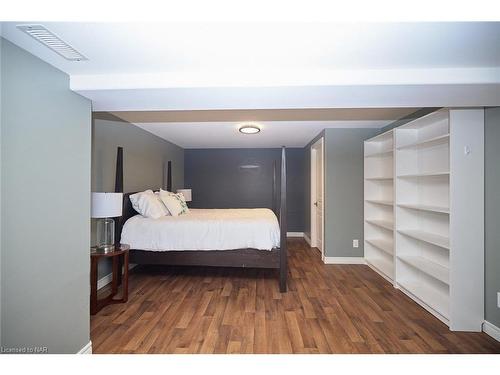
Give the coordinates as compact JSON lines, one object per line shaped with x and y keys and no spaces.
{"x":204,"y":229}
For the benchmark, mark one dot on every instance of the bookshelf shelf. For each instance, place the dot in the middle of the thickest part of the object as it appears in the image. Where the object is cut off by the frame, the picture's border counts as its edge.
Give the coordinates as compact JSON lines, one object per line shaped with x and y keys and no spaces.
{"x":430,"y":268}
{"x":424,"y":207}
{"x":383,"y":202}
{"x":440,"y":139}
{"x":383,"y":244}
{"x":431,"y":238}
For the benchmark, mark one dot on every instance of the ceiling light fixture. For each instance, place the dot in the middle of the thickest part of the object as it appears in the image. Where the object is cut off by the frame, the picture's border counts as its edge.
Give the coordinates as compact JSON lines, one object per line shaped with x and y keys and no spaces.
{"x":249,"y":129}
{"x":52,"y":41}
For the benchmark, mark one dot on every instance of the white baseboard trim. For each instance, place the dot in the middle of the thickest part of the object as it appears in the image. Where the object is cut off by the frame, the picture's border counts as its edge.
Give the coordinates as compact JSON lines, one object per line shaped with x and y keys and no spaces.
{"x":344,"y":260}
{"x":295,"y":234}
{"x":308,"y":239}
{"x":105,"y":280}
{"x":87,"y":349}
{"x":491,"y":330}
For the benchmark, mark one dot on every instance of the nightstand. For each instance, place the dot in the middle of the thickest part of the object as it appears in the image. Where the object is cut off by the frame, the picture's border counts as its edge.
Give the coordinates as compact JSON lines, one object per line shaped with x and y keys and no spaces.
{"x":121,"y":250}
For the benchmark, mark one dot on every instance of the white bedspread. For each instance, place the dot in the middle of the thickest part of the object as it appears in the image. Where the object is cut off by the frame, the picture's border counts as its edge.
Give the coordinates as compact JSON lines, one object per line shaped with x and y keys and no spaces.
{"x":204,"y":229}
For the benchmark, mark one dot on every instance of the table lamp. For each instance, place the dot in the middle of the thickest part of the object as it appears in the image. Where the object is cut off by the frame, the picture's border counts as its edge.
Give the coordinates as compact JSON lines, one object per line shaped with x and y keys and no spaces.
{"x":105,"y":206}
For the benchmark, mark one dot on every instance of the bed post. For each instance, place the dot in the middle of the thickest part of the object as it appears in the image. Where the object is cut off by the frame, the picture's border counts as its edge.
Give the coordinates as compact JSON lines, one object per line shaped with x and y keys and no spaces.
{"x":283,"y":226}
{"x":119,"y":171}
{"x":169,"y":175}
{"x":119,"y":189}
{"x":274,"y":199}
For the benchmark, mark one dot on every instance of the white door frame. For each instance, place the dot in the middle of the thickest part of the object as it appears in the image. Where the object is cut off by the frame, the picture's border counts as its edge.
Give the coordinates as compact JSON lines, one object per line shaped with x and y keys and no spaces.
{"x":318,"y":145}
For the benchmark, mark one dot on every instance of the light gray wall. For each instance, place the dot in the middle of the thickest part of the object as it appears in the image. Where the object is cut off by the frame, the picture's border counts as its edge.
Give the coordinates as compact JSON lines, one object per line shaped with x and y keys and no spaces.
{"x":144,"y":157}
{"x":45,"y":167}
{"x":492,"y":214}
{"x":1,"y":42}
{"x":344,"y":190}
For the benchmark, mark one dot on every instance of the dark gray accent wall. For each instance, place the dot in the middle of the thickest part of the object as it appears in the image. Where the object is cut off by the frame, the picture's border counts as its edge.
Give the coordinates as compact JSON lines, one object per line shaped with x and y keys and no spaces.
{"x":307,"y":191}
{"x":45,"y":213}
{"x":492,"y":214}
{"x":242,"y":178}
{"x":144,"y":160}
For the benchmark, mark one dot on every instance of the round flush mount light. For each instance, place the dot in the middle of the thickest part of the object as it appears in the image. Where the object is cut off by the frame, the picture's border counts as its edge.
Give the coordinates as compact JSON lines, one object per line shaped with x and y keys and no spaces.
{"x":249,"y":129}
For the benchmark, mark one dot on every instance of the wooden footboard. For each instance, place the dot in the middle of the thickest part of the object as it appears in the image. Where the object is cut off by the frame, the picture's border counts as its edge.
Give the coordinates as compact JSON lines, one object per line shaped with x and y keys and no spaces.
{"x":251,"y":258}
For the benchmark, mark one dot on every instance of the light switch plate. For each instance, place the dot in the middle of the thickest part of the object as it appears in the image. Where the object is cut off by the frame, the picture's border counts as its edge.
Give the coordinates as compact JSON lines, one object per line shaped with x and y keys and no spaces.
{"x":498,"y":299}
{"x":355,"y":243}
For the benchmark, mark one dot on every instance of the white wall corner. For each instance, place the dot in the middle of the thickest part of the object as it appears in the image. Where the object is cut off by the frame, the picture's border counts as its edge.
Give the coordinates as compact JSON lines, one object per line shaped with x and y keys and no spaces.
{"x":308,"y":239}
{"x":491,"y":330}
{"x":344,"y":260}
{"x":87,"y":349}
{"x":295,"y":234}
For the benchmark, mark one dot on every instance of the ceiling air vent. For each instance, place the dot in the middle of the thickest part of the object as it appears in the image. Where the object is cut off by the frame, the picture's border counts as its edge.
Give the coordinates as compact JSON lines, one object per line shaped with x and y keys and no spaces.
{"x":52,"y":41}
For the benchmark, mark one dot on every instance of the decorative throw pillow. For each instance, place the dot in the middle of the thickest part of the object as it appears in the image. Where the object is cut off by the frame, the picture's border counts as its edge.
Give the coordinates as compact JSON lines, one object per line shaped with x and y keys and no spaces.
{"x":183,"y":203}
{"x":148,"y":205}
{"x":165,"y":209}
{"x":175,"y":203}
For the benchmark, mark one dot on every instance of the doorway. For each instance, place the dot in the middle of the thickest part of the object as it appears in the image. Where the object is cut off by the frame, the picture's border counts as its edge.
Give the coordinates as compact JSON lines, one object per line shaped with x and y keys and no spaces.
{"x":317,"y":196}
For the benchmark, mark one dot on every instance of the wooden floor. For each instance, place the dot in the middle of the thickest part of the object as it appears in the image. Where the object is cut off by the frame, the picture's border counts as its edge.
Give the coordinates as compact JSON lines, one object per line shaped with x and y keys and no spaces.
{"x":328,"y":309}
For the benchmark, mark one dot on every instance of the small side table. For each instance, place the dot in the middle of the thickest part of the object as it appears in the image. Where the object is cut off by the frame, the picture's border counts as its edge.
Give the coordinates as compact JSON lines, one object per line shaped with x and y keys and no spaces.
{"x":97,"y":304}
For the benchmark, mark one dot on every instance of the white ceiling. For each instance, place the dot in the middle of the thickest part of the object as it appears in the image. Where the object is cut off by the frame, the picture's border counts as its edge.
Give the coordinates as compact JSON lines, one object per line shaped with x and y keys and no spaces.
{"x":288,"y":127}
{"x":175,"y":66}
{"x":247,"y":66}
{"x":137,"y":48}
{"x":226,"y":134}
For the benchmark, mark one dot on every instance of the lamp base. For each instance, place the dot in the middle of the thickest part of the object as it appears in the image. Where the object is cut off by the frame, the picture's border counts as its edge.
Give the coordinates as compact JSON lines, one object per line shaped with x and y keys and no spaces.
{"x":105,"y":235}
{"x":105,"y":249}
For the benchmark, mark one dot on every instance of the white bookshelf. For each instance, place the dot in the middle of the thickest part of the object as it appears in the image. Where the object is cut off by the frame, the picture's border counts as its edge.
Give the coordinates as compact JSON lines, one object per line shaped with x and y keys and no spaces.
{"x":431,"y":266}
{"x":379,"y":204}
{"x":424,"y":213}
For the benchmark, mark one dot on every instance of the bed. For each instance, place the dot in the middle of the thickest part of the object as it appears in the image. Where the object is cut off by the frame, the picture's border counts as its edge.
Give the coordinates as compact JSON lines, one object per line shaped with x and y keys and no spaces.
{"x":209,"y":237}
{"x":204,"y":229}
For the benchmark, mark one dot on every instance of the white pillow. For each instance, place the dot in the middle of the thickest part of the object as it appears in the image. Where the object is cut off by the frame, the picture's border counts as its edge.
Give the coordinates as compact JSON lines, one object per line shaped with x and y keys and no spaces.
{"x":148,"y":205}
{"x":175,"y":203}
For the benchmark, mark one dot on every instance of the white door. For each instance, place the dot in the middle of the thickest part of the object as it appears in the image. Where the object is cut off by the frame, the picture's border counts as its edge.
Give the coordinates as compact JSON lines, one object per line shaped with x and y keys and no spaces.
{"x":319,"y":196}
{"x":317,"y":193}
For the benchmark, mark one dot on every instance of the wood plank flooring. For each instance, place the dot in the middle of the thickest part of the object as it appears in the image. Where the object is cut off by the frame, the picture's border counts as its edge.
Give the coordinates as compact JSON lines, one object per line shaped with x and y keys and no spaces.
{"x":328,"y":309}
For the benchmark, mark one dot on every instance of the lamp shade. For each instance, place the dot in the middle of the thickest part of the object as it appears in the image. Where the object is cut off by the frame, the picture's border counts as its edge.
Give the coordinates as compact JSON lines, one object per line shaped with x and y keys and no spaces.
{"x":107,"y":205}
{"x":186,"y":193}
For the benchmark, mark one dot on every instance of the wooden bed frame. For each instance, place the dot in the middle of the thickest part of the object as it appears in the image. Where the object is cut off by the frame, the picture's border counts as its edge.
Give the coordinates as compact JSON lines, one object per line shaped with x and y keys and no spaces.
{"x":275,"y":259}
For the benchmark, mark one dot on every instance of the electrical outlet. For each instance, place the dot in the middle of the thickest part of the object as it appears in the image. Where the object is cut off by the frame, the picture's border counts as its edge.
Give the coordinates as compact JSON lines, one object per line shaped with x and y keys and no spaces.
{"x":498,"y":299}
{"x":355,"y":243}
